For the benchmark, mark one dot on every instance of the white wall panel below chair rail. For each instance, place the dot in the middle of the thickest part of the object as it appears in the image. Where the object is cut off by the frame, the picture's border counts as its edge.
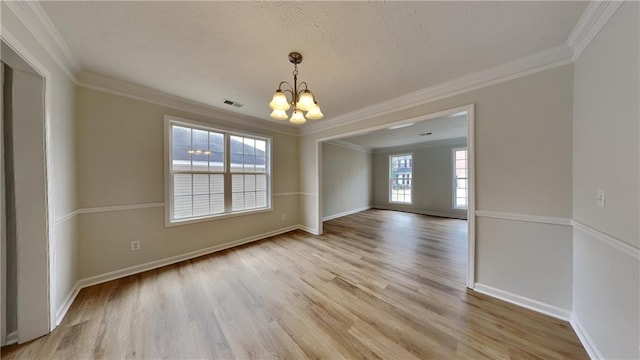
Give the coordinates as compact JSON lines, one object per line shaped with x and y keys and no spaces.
{"x":606,"y":294}
{"x":527,"y":257}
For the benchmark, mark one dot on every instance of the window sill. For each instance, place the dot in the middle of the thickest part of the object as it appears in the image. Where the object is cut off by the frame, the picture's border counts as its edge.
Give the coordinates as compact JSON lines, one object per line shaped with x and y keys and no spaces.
{"x":173,"y":223}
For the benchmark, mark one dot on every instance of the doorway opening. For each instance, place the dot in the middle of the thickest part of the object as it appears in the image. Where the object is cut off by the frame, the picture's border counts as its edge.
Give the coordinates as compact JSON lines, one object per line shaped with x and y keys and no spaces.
{"x":423,"y":165}
{"x":26,"y":209}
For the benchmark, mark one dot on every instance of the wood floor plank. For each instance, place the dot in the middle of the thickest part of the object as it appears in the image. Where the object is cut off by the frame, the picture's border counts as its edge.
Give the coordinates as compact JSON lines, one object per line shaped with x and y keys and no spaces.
{"x":377,"y":285}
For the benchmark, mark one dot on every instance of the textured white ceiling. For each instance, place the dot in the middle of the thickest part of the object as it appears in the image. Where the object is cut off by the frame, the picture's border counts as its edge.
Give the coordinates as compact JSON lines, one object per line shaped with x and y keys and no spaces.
{"x":442,"y":128}
{"x":356,"y":54}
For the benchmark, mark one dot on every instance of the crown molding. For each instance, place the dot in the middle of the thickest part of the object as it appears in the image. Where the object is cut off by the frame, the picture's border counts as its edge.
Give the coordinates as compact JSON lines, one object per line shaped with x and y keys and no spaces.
{"x":593,"y":19}
{"x":349,"y":145}
{"x":138,"y":92}
{"x":34,"y":18}
{"x":595,"y":16}
{"x":527,"y":65}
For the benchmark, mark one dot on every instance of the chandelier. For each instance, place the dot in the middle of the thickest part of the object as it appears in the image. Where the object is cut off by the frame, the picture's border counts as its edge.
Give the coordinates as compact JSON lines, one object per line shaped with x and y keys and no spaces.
{"x":301,"y":98}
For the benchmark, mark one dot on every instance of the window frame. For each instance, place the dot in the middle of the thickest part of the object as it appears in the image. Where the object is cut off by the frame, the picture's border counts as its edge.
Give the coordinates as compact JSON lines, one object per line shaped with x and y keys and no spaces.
{"x":454,"y":183}
{"x":169,"y":220}
{"x":389,"y":179}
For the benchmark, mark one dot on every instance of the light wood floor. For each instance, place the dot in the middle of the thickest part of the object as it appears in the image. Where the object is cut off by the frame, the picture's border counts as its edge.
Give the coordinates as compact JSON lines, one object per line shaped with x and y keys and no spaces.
{"x":378,"y":284}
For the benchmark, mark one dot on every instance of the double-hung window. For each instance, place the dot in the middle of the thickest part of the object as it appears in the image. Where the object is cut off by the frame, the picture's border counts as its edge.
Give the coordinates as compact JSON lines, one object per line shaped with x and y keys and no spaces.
{"x":460,"y":178}
{"x":400,"y":175}
{"x":213,"y":172}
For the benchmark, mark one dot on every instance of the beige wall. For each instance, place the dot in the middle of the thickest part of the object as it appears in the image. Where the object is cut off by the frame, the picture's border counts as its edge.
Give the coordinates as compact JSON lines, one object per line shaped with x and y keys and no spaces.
{"x":346,"y":180}
{"x":432,"y":179}
{"x":523,"y":134}
{"x":606,"y":155}
{"x":543,"y":143}
{"x":606,"y":129}
{"x":61,"y":128}
{"x":120,"y":162}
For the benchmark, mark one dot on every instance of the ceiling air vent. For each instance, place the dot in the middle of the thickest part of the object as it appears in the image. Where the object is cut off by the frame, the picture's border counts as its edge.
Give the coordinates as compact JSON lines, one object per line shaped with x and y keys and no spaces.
{"x":233,"y":103}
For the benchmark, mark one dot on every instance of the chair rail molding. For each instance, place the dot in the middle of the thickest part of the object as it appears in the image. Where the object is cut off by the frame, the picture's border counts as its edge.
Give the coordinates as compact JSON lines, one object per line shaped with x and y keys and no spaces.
{"x":524,"y":217}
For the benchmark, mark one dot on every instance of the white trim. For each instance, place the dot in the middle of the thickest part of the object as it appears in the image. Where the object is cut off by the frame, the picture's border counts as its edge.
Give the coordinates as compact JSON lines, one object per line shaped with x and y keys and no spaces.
{"x":207,"y":218}
{"x":119,"y":208}
{"x":101,"y":209}
{"x":585,"y":339}
{"x":132,"y":270}
{"x":471,"y":218}
{"x":593,"y":19}
{"x":311,"y":231}
{"x":157,"y":97}
{"x":351,"y":146}
{"x":288,"y":194}
{"x":525,"y":302}
{"x":68,"y":216}
{"x":40,"y":26}
{"x":527,"y":65}
{"x":524,"y":217}
{"x":345,"y":213}
{"x":34,"y":18}
{"x":422,"y":145}
{"x":607,"y":239}
{"x":434,"y":115}
{"x":12,"y":338}
{"x":307,"y":194}
{"x":45,"y":73}
{"x":471,"y":195}
{"x":66,"y":305}
{"x":97,"y":279}
{"x":420,"y":211}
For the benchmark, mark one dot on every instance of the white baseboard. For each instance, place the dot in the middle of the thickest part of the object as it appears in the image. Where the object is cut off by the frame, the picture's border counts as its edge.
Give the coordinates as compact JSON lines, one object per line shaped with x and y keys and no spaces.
{"x":311,"y":231}
{"x":132,"y":270}
{"x":346,"y":213}
{"x":585,"y":339}
{"x":12,"y":338}
{"x":66,"y":305}
{"x":525,"y":302}
{"x":421,"y":212}
{"x":93,"y":280}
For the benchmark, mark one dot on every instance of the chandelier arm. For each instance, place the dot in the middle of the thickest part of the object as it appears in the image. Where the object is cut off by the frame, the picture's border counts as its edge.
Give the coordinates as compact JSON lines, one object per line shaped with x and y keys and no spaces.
{"x":285,"y":83}
{"x":306,"y":88}
{"x":287,"y":91}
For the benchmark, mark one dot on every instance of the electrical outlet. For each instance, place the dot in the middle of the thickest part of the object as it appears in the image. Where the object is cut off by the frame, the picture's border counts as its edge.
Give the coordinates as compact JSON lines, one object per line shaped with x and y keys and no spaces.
{"x":135,"y":245}
{"x":284,"y":217}
{"x":600,"y":198}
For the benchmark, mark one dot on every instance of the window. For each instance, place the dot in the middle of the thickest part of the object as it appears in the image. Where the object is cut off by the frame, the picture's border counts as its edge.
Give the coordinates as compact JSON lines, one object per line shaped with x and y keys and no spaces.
{"x":213,"y":172}
{"x":400,"y":175}
{"x":460,"y":178}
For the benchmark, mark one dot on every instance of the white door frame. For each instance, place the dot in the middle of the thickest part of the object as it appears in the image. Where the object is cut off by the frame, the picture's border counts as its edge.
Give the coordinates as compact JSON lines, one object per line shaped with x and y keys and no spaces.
{"x":23,"y":257}
{"x":471,"y":206}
